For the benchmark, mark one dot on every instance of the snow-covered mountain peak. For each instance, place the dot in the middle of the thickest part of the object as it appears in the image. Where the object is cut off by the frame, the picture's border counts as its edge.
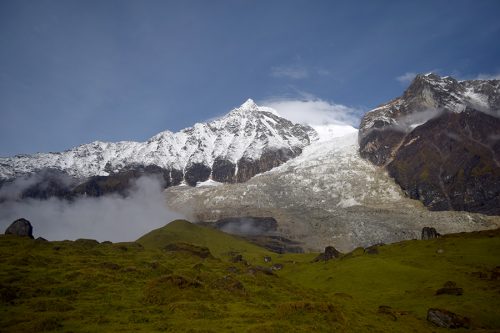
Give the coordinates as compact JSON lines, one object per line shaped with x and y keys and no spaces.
{"x":430,"y":94}
{"x":248,"y":140}
{"x":249,"y":105}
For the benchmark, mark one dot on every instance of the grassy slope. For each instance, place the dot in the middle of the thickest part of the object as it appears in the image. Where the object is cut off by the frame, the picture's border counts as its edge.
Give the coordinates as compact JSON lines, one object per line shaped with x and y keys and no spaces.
{"x":83,"y":287}
{"x":220,"y":243}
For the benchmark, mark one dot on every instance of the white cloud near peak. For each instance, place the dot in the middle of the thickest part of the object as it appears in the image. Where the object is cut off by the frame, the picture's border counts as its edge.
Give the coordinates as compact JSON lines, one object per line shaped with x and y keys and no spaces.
{"x":484,"y":76}
{"x":314,"y":111}
{"x":406,"y":77}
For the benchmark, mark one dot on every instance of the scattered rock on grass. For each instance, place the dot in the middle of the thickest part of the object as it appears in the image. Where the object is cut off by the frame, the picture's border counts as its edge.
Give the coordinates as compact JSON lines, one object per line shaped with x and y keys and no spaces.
{"x":450,"y":288}
{"x":447,"y":319}
{"x":277,"y":267}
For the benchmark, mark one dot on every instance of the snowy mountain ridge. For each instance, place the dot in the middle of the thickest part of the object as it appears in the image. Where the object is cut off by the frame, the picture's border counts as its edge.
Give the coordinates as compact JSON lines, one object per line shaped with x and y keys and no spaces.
{"x":243,"y":135}
{"x":428,"y":96}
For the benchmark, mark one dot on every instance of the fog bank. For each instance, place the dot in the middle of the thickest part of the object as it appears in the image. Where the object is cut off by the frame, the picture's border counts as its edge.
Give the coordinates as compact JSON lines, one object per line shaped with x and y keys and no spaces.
{"x":110,"y":217}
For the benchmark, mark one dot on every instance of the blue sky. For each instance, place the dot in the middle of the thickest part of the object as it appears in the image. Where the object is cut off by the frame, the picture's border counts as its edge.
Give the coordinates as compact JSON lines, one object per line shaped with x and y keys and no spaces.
{"x":72,"y":72}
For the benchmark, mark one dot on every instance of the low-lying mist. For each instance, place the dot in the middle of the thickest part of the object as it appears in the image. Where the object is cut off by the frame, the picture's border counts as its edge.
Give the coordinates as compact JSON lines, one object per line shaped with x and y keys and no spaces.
{"x":110,"y":217}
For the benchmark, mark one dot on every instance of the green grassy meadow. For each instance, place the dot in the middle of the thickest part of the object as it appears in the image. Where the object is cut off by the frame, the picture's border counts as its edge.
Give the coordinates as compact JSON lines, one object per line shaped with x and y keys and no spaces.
{"x":168,"y":282}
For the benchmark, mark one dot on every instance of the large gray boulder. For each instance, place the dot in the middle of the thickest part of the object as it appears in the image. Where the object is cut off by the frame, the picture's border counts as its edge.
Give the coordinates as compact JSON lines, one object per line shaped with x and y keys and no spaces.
{"x":329,"y":254}
{"x":447,"y":319}
{"x":430,"y":233}
{"x":20,"y":227}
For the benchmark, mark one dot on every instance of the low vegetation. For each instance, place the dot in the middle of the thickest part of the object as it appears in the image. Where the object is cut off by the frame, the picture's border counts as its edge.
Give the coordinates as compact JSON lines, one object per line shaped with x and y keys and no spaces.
{"x":187,"y":278}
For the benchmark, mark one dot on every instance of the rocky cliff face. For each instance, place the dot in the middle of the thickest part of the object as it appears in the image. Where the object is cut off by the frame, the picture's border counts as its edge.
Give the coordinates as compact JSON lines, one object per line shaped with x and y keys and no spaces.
{"x":441,"y":142}
{"x":247,"y":141}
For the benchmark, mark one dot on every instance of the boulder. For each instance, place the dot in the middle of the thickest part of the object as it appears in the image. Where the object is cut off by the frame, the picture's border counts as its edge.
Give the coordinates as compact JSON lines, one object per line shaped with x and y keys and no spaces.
{"x":20,"y":227}
{"x":329,"y":254}
{"x":447,"y":319}
{"x":450,"y":288}
{"x":277,"y":267}
{"x":430,"y":233}
{"x":259,"y":269}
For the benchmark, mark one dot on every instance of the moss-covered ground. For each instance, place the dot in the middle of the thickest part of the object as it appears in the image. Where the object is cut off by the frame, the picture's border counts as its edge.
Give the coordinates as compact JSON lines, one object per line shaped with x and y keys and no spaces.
{"x":151,"y":286}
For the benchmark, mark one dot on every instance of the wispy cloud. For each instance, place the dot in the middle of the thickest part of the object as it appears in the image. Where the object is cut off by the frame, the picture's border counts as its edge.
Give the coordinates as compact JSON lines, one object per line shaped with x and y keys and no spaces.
{"x":308,"y":109}
{"x":110,"y":217}
{"x":484,"y":76}
{"x":406,"y":77}
{"x":291,"y":72}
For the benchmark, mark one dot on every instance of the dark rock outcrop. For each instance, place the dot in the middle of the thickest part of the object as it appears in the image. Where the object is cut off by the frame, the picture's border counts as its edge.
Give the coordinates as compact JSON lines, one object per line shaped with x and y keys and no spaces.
{"x":248,"y":168}
{"x":429,"y":233}
{"x":49,"y":183}
{"x":223,"y":171}
{"x":439,"y":141}
{"x":196,"y":172}
{"x":42,"y":184}
{"x":20,"y":227}
{"x":121,"y":181}
{"x":329,"y":254}
{"x":447,"y":319}
{"x":451,"y":163}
